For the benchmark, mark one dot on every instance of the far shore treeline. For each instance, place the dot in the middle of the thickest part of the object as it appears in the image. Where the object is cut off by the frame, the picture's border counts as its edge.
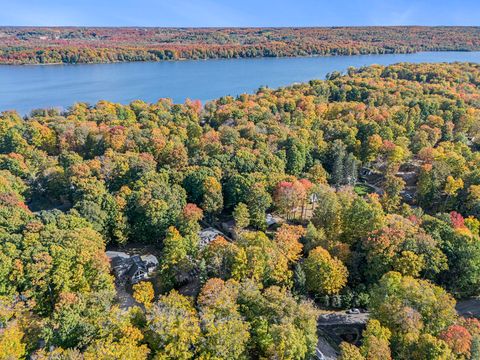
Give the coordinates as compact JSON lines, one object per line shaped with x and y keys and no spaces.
{"x":71,"y":45}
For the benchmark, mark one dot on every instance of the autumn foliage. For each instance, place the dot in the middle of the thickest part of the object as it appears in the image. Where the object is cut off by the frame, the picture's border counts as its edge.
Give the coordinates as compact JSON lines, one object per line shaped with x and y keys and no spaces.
{"x":358,"y":191}
{"x":93,"y":45}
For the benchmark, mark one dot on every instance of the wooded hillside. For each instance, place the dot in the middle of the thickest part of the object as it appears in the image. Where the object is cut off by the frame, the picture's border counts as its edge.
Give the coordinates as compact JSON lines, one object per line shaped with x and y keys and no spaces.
{"x":32,"y":45}
{"x":374,"y":179}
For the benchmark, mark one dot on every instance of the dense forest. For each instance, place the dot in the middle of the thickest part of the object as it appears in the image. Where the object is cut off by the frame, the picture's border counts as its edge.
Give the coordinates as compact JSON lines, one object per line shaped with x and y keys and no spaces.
{"x":34,"y":45}
{"x":375,"y":173}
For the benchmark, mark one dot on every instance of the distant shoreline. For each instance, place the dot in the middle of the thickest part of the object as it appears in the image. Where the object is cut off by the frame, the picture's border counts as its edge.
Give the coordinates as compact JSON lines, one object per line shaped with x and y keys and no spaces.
{"x":97,"y":45}
{"x":234,"y":58}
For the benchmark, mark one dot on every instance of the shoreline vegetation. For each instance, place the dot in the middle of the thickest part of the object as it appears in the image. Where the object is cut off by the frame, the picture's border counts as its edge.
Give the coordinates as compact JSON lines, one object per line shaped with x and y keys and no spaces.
{"x":85,"y":45}
{"x":237,"y":58}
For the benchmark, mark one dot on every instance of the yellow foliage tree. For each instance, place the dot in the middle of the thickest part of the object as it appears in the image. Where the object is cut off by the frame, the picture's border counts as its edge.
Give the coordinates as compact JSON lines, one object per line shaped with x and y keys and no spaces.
{"x":453,"y":185}
{"x":174,"y":327}
{"x":325,"y":274}
{"x":11,"y":342}
{"x":350,"y":352}
{"x":376,"y":341}
{"x":409,"y":263}
{"x":126,"y":347}
{"x":143,"y":293}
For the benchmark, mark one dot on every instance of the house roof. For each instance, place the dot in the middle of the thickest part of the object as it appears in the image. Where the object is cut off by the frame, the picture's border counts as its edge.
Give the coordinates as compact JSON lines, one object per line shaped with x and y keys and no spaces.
{"x":119,"y":262}
{"x":137,"y":259}
{"x":150,"y":259}
{"x":137,"y":264}
{"x":125,"y":265}
{"x":115,"y":254}
{"x":208,"y":235}
{"x":270,"y":220}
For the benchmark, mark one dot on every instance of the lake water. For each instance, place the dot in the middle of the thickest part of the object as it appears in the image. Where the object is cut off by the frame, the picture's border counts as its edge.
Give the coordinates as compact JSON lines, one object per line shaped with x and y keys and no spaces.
{"x":24,"y":88}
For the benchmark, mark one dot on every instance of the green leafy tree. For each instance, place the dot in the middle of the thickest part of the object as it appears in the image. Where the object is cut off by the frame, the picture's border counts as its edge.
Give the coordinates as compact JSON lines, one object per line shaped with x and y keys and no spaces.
{"x":281,"y":327}
{"x":241,"y":216}
{"x":153,"y":206}
{"x":475,"y":348}
{"x":463,"y":255}
{"x":258,"y":201}
{"x":300,"y":280}
{"x":361,"y":218}
{"x":175,"y":260}
{"x":212,"y":202}
{"x":296,"y":156}
{"x":409,"y":308}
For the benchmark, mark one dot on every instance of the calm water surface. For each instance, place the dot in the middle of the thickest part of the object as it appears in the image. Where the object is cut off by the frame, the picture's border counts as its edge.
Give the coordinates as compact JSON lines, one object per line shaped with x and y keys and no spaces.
{"x":24,"y":88}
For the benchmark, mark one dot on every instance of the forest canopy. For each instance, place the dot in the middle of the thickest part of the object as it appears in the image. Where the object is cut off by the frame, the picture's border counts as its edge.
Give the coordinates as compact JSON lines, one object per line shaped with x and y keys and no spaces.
{"x":373,"y":176}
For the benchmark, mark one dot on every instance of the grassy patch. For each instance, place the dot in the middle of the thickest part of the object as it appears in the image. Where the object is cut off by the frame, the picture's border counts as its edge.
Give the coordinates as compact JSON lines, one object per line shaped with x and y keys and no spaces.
{"x":363,"y":189}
